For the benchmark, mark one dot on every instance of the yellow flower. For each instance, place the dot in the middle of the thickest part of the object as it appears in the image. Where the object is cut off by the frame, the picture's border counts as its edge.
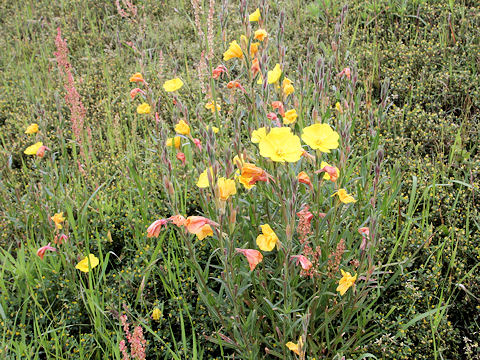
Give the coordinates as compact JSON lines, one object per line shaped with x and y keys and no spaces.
{"x":172,"y":85}
{"x":32,"y":129}
{"x":144,"y":108}
{"x":32,"y":149}
{"x":175,"y":141}
{"x":267,"y":240}
{"x":205,"y":231}
{"x":234,"y":51}
{"x":274,"y":75}
{"x":83,"y":265}
{"x":255,"y":16}
{"x":290,"y":117}
{"x":326,"y":176}
{"x":346,"y":282}
{"x":202,"y":181}
{"x":239,"y":160}
{"x":296,"y":348}
{"x":156,"y":314}
{"x":226,"y":188}
{"x":182,"y":128}
{"x":260,"y":34}
{"x":58,"y":219}
{"x":344,"y":196}
{"x":281,"y":145}
{"x":287,"y":86}
{"x":321,"y":137}
{"x":339,"y":107}
{"x":258,"y":135}
{"x":214,"y":129}
{"x":211,"y":106}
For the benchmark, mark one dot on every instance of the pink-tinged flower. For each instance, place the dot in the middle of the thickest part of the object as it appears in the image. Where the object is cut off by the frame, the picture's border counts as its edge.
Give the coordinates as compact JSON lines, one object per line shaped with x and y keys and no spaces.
{"x":154,"y":229}
{"x":59,"y":239}
{"x":218,"y":71}
{"x":43,"y":249}
{"x":41,"y":151}
{"x":272,"y":116}
{"x":178,"y":220}
{"x":321,"y":215}
{"x":254,"y":257}
{"x":304,"y":262}
{"x":135,"y":91}
{"x":194,"y":224}
{"x":364,"y":231}
{"x":255,"y":69}
{"x":181,"y":157}
{"x":198,"y":144}
{"x":308,"y":156}
{"x":346,"y":71}
{"x":279,"y":105}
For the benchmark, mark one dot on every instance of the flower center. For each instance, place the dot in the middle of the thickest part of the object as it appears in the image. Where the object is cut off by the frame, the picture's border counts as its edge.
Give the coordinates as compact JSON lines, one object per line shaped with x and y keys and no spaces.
{"x":318,"y":142}
{"x":280,"y":153}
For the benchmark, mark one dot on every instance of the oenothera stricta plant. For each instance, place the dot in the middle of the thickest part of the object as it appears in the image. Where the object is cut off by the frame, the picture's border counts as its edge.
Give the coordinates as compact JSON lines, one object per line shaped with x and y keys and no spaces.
{"x":281,"y":193}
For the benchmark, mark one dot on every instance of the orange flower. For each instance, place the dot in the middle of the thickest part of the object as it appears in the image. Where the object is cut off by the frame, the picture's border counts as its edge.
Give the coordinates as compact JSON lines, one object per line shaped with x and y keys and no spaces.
{"x":194,"y":224}
{"x":41,"y":151}
{"x":135,"y":91}
{"x":137,"y":77}
{"x":331,"y":172}
{"x":305,"y":179}
{"x":154,"y":229}
{"x":254,"y":257}
{"x":254,"y":172}
{"x":260,"y":34}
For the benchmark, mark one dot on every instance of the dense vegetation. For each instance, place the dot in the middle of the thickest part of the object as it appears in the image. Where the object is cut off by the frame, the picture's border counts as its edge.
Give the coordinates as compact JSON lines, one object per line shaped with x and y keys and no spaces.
{"x":408,"y":119}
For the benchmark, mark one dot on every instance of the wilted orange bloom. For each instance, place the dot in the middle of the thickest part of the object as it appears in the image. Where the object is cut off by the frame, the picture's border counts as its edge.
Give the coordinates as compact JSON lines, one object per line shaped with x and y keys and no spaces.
{"x":155,"y":228}
{"x":218,"y":71}
{"x":43,"y":249}
{"x":137,"y":77}
{"x":181,"y":157}
{"x":304,"y":262}
{"x":178,"y":220}
{"x":254,"y":257}
{"x":194,"y":224}
{"x":235,"y":84}
{"x":205,"y":231}
{"x":255,"y":67}
{"x":135,"y":91}
{"x":346,"y":71}
{"x":364,"y":231}
{"x":254,"y":172}
{"x":41,"y":151}
{"x":279,"y":105}
{"x":331,"y":172}
{"x":308,"y":156}
{"x":305,"y":179}
{"x":60,"y":238}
